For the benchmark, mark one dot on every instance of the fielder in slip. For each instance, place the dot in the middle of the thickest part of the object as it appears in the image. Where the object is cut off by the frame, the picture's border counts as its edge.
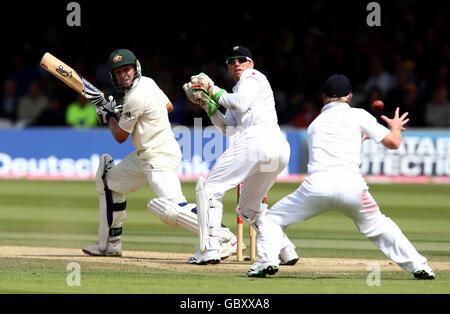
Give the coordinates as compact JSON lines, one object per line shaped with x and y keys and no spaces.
{"x":257,"y":154}
{"x":144,"y":115}
{"x":334,"y":182}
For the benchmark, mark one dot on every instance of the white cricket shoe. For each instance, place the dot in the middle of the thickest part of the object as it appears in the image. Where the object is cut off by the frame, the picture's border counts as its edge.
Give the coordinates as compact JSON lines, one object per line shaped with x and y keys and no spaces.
{"x":114,"y":248}
{"x":288,"y":256}
{"x":262,"y":269}
{"x":204,"y":258}
{"x":230,"y":248}
{"x":227,"y":249}
{"x":424,"y":272}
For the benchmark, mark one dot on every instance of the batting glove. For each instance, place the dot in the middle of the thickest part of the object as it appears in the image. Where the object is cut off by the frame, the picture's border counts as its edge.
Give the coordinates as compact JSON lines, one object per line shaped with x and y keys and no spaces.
{"x":197,"y":95}
{"x":110,"y":109}
{"x":208,"y":85}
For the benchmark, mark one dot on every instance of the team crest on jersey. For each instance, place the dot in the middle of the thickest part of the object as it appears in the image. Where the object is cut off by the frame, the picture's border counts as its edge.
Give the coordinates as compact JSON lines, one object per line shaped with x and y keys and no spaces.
{"x":117,"y":58}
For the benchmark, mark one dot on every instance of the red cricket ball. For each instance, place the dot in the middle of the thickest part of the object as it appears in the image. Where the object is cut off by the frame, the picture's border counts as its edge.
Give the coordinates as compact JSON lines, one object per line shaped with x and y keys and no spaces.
{"x":377,"y":105}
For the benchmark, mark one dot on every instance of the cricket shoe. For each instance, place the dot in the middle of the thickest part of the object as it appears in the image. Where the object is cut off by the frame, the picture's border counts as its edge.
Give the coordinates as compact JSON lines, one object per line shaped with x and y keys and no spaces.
{"x":230,"y":248}
{"x":424,"y":272}
{"x":204,"y":258}
{"x":288,"y":256}
{"x":262,"y":270}
{"x":114,"y":248}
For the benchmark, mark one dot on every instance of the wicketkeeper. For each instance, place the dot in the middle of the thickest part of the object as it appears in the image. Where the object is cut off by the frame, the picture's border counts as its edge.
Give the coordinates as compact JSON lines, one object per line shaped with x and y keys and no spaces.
{"x":257,"y":154}
{"x":144,"y":115}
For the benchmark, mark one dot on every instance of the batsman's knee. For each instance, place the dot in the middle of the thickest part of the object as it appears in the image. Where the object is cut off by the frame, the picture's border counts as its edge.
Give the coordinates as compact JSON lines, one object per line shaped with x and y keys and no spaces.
{"x":106,"y":163}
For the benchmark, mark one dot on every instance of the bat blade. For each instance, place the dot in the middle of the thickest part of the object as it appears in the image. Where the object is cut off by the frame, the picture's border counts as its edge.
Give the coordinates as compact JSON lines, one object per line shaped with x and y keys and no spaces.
{"x":72,"y":78}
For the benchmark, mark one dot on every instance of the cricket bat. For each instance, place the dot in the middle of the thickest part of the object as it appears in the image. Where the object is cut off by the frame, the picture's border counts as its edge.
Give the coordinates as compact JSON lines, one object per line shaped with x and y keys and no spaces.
{"x":72,"y":78}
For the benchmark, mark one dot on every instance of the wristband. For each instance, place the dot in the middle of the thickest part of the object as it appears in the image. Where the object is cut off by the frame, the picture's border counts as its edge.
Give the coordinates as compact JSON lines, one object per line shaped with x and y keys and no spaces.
{"x":109,"y":115}
{"x":212,"y":108}
{"x":217,"y":95}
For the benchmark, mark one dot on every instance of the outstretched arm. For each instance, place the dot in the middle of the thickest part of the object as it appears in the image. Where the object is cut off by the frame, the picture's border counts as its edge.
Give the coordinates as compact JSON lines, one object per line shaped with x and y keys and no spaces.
{"x":396,"y":125}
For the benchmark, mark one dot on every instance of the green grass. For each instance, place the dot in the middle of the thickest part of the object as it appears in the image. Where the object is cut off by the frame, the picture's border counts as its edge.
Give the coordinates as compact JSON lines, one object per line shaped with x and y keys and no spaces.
{"x":50,"y":277}
{"x":65,"y":214}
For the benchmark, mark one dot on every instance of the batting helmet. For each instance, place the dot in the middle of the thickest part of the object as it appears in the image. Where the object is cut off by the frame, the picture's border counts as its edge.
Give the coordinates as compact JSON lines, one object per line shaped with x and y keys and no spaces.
{"x":120,"y":58}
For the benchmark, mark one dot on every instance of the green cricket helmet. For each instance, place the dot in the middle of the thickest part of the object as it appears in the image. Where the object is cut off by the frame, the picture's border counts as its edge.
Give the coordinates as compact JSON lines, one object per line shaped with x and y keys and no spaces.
{"x":120,"y":58}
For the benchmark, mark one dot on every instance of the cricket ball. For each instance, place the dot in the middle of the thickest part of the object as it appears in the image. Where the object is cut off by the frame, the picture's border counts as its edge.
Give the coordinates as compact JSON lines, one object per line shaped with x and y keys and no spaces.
{"x":377,"y":105}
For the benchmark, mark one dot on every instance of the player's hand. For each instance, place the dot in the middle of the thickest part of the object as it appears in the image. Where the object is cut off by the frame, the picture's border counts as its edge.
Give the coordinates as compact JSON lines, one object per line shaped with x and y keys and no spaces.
{"x":396,"y":123}
{"x":197,"y":95}
{"x":112,"y":106}
{"x":208,"y":86}
{"x":110,"y":109}
{"x":101,"y":114}
{"x":194,"y":96}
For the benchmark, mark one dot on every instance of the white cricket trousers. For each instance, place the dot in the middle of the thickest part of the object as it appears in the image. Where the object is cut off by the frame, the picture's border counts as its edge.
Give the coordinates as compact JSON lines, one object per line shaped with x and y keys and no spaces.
{"x":160,"y":172}
{"x":347,"y":193}
{"x":255,"y":157}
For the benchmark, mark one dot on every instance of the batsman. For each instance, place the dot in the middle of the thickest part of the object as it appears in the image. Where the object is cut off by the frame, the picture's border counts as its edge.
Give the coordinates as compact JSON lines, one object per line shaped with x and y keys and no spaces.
{"x":143,"y":114}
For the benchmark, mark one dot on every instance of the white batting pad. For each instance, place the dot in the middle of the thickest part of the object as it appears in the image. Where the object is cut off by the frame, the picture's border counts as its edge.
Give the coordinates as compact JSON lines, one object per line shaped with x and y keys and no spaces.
{"x":173,"y":214}
{"x":224,"y":234}
{"x":202,"y":213}
{"x":116,"y":217}
{"x":103,"y":227}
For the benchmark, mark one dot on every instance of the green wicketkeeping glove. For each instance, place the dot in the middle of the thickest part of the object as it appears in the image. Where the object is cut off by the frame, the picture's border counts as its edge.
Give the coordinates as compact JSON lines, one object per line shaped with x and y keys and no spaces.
{"x":208,"y":86}
{"x":197,"y":95}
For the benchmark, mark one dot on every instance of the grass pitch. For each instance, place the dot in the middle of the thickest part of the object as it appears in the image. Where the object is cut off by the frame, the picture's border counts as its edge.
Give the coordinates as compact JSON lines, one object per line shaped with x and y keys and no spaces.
{"x":62,"y":217}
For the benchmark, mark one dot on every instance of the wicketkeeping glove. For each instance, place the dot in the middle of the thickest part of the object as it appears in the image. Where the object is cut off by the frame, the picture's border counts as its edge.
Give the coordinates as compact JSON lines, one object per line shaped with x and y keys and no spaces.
{"x":208,"y":86}
{"x":197,"y":95}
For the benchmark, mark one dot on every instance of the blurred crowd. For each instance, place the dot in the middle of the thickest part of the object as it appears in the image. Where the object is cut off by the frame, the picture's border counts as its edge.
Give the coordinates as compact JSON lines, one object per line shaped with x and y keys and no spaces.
{"x":404,"y":62}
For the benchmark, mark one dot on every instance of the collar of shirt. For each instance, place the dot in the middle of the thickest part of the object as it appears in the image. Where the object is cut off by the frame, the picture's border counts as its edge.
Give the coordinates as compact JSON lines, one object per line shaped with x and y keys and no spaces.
{"x":334,"y":104}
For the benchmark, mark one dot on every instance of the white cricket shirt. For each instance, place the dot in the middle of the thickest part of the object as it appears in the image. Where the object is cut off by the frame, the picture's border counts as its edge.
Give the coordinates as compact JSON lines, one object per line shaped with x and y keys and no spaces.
{"x":145,"y":117}
{"x":334,"y":138}
{"x":252,"y":102}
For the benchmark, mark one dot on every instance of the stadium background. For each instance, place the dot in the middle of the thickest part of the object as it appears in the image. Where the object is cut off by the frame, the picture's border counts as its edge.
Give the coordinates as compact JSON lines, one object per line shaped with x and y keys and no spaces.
{"x":404,"y":61}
